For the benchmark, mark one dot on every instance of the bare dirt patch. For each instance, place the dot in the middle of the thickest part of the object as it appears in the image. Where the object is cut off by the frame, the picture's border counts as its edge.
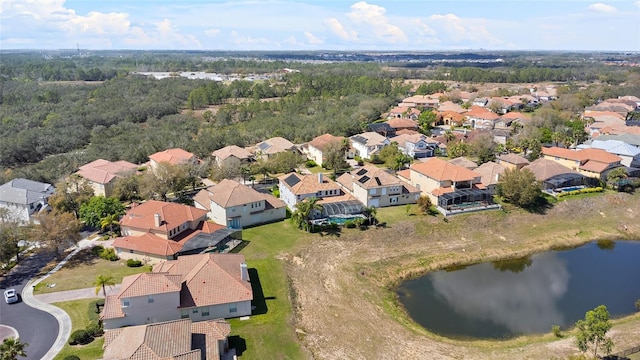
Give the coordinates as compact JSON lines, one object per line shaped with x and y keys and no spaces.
{"x":345,"y":307}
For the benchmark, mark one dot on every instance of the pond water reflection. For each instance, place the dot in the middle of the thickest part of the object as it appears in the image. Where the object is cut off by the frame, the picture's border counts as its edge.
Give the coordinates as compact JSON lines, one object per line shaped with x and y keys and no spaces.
{"x":524,"y":296}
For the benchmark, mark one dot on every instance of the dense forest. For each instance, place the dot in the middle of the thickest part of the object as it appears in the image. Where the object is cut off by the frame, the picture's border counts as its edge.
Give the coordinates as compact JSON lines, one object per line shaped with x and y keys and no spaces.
{"x":61,"y":112}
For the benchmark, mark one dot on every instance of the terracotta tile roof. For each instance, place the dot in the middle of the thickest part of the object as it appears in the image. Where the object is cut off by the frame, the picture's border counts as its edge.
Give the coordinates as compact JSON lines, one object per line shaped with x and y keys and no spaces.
{"x":402,"y":139}
{"x":202,"y":199}
{"x":490,"y":172}
{"x":112,"y":308}
{"x":337,"y":199}
{"x":370,"y":176}
{"x":512,"y":158}
{"x":582,"y":155}
{"x":422,"y":99}
{"x":481,"y":113}
{"x":307,"y":184}
{"x":232,"y":150}
{"x":173,"y":156}
{"x":213,"y":331}
{"x":148,"y":284}
{"x":274,"y":145}
{"x":455,"y":116}
{"x":514,"y":115}
{"x":209,"y":279}
{"x":103,"y":171}
{"x":159,"y":341}
{"x":441,"y":170}
{"x":322,"y":141}
{"x":602,"y":114}
{"x":544,"y":169}
{"x":464,"y":162}
{"x":398,"y":123}
{"x":148,"y":243}
{"x":228,"y":193}
{"x":405,"y":174}
{"x":406,"y":132}
{"x":172,"y":215}
{"x":449,"y":106}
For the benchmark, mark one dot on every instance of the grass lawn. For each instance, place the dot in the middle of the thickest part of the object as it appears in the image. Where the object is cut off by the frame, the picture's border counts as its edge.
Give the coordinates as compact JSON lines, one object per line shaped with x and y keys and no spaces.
{"x":269,"y":335}
{"x":82,"y":270}
{"x":78,"y":311}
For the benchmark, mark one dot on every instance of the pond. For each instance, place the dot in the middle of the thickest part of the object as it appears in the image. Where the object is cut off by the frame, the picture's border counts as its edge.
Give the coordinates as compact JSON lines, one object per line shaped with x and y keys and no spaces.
{"x":504,"y":299}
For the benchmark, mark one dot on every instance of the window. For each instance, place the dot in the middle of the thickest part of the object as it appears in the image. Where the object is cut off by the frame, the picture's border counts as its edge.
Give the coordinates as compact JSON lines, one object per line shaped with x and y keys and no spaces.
{"x":205,"y":311}
{"x":194,"y":311}
{"x":125,"y":303}
{"x":150,"y":299}
{"x":184,"y":314}
{"x":233,"y":308}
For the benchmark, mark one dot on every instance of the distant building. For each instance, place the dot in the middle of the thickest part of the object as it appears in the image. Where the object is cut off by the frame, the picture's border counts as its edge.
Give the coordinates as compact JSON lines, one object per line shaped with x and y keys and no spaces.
{"x":175,"y":156}
{"x":102,"y":174}
{"x":232,"y":156}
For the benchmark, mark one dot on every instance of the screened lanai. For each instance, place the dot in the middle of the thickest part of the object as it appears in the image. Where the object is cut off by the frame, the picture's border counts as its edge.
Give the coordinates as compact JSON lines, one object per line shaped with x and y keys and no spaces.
{"x":462,"y":198}
{"x":346,"y":207}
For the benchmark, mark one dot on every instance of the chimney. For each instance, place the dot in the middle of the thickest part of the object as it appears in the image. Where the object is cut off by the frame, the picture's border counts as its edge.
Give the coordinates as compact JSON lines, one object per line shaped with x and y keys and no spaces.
{"x":244,"y":273}
{"x":320,"y":178}
{"x":157,"y":219}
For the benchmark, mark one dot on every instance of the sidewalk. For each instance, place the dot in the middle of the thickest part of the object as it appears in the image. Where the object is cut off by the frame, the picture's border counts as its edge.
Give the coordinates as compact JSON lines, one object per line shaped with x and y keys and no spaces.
{"x":64,"y":321}
{"x":78,"y":294}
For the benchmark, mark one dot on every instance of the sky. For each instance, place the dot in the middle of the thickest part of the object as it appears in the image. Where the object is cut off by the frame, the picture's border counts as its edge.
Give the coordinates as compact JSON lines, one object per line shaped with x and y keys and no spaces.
{"x":392,"y":25}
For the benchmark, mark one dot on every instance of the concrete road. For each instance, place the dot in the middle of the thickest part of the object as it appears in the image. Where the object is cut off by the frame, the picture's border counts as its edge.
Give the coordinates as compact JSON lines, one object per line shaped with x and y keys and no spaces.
{"x":37,"y":328}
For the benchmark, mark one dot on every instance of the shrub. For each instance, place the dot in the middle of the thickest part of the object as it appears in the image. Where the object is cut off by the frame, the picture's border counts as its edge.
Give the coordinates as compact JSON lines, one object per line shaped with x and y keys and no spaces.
{"x":134,"y":263}
{"x":95,"y":329}
{"x":80,"y":337}
{"x":71,"y":357}
{"x":349,"y":224}
{"x":109,"y":254}
{"x":96,"y":250}
{"x":310,"y":163}
{"x":555,"y":329}
{"x":106,"y":237}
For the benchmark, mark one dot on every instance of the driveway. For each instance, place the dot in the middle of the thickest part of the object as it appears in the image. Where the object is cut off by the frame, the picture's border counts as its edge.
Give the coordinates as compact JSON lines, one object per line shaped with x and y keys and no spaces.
{"x":37,"y":328}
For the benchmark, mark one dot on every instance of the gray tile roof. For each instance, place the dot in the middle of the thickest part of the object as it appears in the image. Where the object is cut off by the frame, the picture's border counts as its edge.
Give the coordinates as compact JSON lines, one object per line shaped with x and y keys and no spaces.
{"x":23,"y":191}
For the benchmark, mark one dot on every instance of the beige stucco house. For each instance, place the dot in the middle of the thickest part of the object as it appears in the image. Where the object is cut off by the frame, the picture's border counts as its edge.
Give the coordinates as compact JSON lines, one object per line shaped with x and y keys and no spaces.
{"x":237,"y":206}
{"x":376,"y":187}
{"x":232,"y":156}
{"x":197,"y":287}
{"x":101,"y":174}
{"x":593,"y":163}
{"x":270,"y":147}
{"x":314,"y":149}
{"x":175,"y":156}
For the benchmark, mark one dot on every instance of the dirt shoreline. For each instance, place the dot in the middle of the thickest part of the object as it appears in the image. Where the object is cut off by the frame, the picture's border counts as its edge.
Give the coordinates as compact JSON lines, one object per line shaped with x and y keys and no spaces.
{"x":344,"y":303}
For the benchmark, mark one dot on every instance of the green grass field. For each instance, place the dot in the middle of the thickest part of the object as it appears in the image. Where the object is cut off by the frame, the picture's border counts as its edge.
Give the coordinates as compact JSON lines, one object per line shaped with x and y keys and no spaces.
{"x":78,"y":311}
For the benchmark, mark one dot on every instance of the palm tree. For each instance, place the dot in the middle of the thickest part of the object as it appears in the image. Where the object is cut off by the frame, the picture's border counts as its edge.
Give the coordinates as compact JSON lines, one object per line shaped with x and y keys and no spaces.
{"x":109,"y":221}
{"x":304,"y":210}
{"x":370,"y":212}
{"x":102,"y":282}
{"x":11,"y":348}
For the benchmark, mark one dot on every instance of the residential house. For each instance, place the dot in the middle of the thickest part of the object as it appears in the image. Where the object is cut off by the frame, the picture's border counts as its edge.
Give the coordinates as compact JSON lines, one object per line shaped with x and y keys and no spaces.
{"x":631,"y":139}
{"x":464,"y":162}
{"x":621,"y":107}
{"x":480,"y":118}
{"x":401,"y":124}
{"x":421,"y":101}
{"x":170,"y":340}
{"x":175,"y":156}
{"x":294,"y":188}
{"x":451,"y":118}
{"x":490,"y":175}
{"x":376,"y":187}
{"x":24,"y":198}
{"x":553,"y":175}
{"x":450,"y":187}
{"x":157,"y":230}
{"x":368,"y":144}
{"x":231,"y":157}
{"x":402,"y":112}
{"x":315,"y":149}
{"x":416,"y":145}
{"x":197,"y":287}
{"x":629,"y":154}
{"x":591,"y":162}
{"x":237,"y":206}
{"x":449,"y":106}
{"x":101,"y":174}
{"x":480,"y":101}
{"x":505,"y":121}
{"x":382,"y":128}
{"x":512,"y":161}
{"x":273,"y":146}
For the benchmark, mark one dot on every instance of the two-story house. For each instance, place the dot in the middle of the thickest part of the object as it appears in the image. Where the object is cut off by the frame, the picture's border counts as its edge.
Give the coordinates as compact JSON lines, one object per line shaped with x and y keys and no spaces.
{"x":512,"y":161}
{"x":101,"y":174}
{"x":294,"y":188}
{"x":24,"y":198}
{"x":175,"y":156}
{"x":315,"y":149}
{"x":592,"y":163}
{"x":157,"y":230}
{"x":450,"y":187}
{"x":402,"y":124}
{"x":368,"y":144}
{"x":416,"y":145}
{"x":270,"y":147}
{"x":236,"y":206}
{"x":197,"y":287}
{"x":232,"y":156}
{"x":480,"y":118}
{"x":375,"y":187}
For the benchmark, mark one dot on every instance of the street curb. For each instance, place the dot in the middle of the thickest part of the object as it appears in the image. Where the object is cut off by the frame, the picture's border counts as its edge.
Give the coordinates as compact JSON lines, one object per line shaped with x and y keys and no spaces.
{"x":15,"y":334}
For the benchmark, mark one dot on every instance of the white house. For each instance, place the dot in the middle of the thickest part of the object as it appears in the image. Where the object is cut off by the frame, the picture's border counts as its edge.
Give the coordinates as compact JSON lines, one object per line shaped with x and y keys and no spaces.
{"x":369,"y":143}
{"x":23,"y":198}
{"x":415,"y":145}
{"x":236,"y":206}
{"x":294,"y":188}
{"x":376,"y":187}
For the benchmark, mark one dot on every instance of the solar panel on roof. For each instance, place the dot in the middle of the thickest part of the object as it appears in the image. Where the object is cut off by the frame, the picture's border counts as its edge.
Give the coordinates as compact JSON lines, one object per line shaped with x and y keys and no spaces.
{"x":364,"y":179}
{"x":377,"y":179}
{"x":361,"y":172}
{"x":292,"y":180}
{"x":263,"y":146}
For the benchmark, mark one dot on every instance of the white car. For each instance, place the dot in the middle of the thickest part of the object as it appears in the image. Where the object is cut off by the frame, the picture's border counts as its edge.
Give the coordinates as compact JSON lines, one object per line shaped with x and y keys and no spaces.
{"x":10,"y":296}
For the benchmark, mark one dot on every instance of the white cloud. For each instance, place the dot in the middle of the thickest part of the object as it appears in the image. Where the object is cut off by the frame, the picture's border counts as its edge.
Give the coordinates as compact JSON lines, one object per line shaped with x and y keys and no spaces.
{"x":637,"y":3}
{"x":373,"y":16}
{"x":452,"y":28}
{"x":212,"y":32}
{"x":100,"y":23}
{"x":600,"y":7}
{"x":312,"y":39}
{"x":336,"y":27}
{"x":248,"y":40}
